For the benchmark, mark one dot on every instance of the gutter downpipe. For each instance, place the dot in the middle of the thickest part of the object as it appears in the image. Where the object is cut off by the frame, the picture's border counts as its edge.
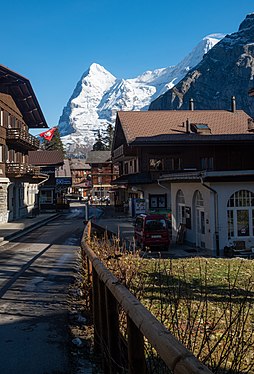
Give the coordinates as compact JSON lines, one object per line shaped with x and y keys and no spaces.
{"x":159,"y":184}
{"x":165,"y":188}
{"x":215,"y":214}
{"x":38,"y":184}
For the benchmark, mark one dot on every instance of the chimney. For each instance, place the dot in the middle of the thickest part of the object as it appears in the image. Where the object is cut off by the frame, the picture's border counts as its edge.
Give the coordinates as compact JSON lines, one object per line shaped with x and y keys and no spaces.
{"x":187,"y":126}
{"x":191,"y":104}
{"x":233,"y":104}
{"x":250,"y":124}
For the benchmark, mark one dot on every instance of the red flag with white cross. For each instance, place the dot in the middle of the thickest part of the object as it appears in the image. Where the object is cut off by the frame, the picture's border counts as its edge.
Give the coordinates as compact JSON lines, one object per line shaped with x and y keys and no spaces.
{"x":48,"y":135}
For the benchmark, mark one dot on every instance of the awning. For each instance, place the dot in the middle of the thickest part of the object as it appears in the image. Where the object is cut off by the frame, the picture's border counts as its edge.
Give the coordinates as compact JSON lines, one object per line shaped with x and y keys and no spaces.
{"x":83,"y":185}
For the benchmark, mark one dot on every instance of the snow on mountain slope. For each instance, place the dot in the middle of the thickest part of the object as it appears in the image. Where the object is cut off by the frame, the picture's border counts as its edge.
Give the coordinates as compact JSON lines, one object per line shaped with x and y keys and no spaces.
{"x":99,"y":95}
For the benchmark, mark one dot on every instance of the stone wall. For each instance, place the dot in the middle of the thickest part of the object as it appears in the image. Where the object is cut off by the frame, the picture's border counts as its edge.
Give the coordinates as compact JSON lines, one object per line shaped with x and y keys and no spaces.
{"x":3,"y":202}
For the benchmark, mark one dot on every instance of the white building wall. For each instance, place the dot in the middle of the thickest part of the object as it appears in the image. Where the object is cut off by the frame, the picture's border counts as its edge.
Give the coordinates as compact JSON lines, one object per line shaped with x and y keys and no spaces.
{"x":189,"y":190}
{"x":156,"y":189}
{"x":225,"y":190}
{"x":4,"y":182}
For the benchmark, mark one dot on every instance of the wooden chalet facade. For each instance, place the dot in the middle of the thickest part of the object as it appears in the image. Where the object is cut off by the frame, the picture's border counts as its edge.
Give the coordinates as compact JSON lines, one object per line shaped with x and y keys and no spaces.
{"x":193,"y":165}
{"x":81,"y":177}
{"x":19,"y":111}
{"x":49,"y":192}
{"x":103,"y":173}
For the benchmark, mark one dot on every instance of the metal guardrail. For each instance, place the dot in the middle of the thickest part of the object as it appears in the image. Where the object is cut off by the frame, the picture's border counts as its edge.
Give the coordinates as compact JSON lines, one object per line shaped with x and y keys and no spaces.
{"x":107,"y":294}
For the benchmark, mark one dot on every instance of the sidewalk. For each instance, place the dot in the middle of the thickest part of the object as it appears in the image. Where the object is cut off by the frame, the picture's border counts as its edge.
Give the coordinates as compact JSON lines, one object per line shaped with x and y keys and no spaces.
{"x":14,"y":229}
{"x":122,"y":225}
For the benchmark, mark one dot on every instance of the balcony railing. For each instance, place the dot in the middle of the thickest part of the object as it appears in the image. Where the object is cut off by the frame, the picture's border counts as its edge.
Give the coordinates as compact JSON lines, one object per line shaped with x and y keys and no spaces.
{"x":22,"y":137}
{"x":20,"y":169}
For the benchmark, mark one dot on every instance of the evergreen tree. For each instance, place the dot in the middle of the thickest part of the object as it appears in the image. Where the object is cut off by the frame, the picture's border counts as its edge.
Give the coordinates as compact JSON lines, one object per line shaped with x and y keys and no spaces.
{"x":99,"y":144}
{"x":54,"y":144}
{"x":108,"y":138}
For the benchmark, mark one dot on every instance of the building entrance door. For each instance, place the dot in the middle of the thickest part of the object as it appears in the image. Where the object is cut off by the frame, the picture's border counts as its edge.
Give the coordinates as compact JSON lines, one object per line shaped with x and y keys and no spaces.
{"x":200,"y":227}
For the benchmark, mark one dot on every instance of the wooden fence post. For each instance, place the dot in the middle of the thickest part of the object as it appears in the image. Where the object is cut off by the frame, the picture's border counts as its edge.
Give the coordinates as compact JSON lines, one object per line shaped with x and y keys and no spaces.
{"x":96,"y":312}
{"x":90,"y":283}
{"x":113,"y":333}
{"x":136,"y":354}
{"x":103,"y":326}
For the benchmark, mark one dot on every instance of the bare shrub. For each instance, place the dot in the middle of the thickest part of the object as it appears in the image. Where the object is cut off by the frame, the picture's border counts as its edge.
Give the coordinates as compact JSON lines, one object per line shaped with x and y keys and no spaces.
{"x":206,"y":303}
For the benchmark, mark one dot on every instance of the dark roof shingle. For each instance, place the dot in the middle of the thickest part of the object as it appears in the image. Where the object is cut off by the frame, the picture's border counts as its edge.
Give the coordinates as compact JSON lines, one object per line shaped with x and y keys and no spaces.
{"x":158,"y":122}
{"x":45,"y":158}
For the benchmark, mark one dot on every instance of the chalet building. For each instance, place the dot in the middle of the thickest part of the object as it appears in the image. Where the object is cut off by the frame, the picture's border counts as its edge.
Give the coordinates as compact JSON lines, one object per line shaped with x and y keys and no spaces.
{"x":81,"y":177}
{"x":63,"y":180}
{"x":49,"y":191}
{"x":19,"y":112}
{"x":197,"y":165}
{"x":103,"y":173}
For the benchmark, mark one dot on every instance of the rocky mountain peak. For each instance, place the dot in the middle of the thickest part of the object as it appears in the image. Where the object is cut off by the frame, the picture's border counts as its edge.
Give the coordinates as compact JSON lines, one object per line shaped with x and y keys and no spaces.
{"x":226,"y":70}
{"x":247,"y":22}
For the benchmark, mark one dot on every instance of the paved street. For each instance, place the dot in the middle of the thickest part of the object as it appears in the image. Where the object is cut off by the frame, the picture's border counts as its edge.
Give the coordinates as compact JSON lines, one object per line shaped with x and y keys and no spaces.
{"x":36,"y":272}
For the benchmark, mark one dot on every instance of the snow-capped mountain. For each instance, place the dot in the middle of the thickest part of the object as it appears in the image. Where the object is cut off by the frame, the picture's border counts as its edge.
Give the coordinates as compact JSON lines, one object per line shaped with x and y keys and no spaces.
{"x":99,"y":95}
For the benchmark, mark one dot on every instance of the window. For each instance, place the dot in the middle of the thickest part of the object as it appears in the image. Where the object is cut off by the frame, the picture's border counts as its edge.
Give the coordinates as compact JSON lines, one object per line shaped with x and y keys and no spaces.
{"x":200,"y":128}
{"x":1,"y":153}
{"x":46,"y":197}
{"x":133,"y":166}
{"x":199,"y":199}
{"x":9,"y":121}
{"x":175,"y":163}
{"x":206,"y":163}
{"x":240,"y":214}
{"x":155,"y":224}
{"x":180,"y":206}
{"x":157,"y":201}
{"x":156,"y":164}
{"x":1,"y":117}
{"x":200,"y":218}
{"x":126,"y":168}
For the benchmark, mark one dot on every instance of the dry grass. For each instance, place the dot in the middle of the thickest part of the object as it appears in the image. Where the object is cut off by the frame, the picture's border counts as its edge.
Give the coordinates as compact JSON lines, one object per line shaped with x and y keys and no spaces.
{"x":206,"y":303}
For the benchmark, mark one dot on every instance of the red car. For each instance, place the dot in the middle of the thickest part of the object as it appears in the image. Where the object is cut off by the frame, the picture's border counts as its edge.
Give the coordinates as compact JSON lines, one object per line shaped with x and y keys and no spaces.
{"x":151,"y":231}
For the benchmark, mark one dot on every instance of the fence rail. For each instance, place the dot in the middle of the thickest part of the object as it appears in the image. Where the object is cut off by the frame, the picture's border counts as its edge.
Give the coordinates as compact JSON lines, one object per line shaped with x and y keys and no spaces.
{"x":107,"y":294}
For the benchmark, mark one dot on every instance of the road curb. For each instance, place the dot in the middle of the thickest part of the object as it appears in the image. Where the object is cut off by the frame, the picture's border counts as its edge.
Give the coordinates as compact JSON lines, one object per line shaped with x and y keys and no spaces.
{"x":25,"y":230}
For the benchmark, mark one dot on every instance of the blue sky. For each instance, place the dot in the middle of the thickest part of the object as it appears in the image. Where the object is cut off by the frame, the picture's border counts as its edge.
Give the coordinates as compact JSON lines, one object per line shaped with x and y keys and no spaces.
{"x":53,"y":42}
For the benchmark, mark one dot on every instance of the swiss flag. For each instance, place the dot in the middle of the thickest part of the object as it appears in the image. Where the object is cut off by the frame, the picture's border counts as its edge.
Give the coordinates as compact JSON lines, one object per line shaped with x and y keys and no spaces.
{"x":48,"y":135}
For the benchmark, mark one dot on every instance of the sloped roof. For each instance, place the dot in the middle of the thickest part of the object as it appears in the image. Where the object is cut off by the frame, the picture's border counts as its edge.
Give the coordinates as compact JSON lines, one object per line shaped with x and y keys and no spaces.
{"x":98,"y":157}
{"x":193,"y":138}
{"x":137,"y":178}
{"x":20,"y":89}
{"x":158,"y":122}
{"x":79,"y":164}
{"x":45,"y":158}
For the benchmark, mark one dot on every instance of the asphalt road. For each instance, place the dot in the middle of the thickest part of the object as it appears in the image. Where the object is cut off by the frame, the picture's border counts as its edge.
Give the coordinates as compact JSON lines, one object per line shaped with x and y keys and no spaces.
{"x":35,"y":273}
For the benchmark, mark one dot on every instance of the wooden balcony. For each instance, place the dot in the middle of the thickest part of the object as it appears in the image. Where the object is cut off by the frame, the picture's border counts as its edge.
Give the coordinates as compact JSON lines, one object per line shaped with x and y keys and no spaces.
{"x":124,"y":152}
{"x":15,"y":169}
{"x":22,"y":138}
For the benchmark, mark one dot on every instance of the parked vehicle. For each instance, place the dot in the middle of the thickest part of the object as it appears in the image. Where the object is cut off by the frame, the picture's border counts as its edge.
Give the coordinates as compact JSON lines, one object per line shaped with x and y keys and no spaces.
{"x":151,"y":231}
{"x":73,"y":197}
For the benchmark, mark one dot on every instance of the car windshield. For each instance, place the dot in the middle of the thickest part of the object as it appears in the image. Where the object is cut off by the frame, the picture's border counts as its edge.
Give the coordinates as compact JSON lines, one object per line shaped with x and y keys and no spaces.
{"x":155,"y":224}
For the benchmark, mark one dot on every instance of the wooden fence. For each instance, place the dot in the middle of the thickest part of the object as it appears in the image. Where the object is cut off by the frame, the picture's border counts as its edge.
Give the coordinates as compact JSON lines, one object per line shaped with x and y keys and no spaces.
{"x":107,"y":294}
